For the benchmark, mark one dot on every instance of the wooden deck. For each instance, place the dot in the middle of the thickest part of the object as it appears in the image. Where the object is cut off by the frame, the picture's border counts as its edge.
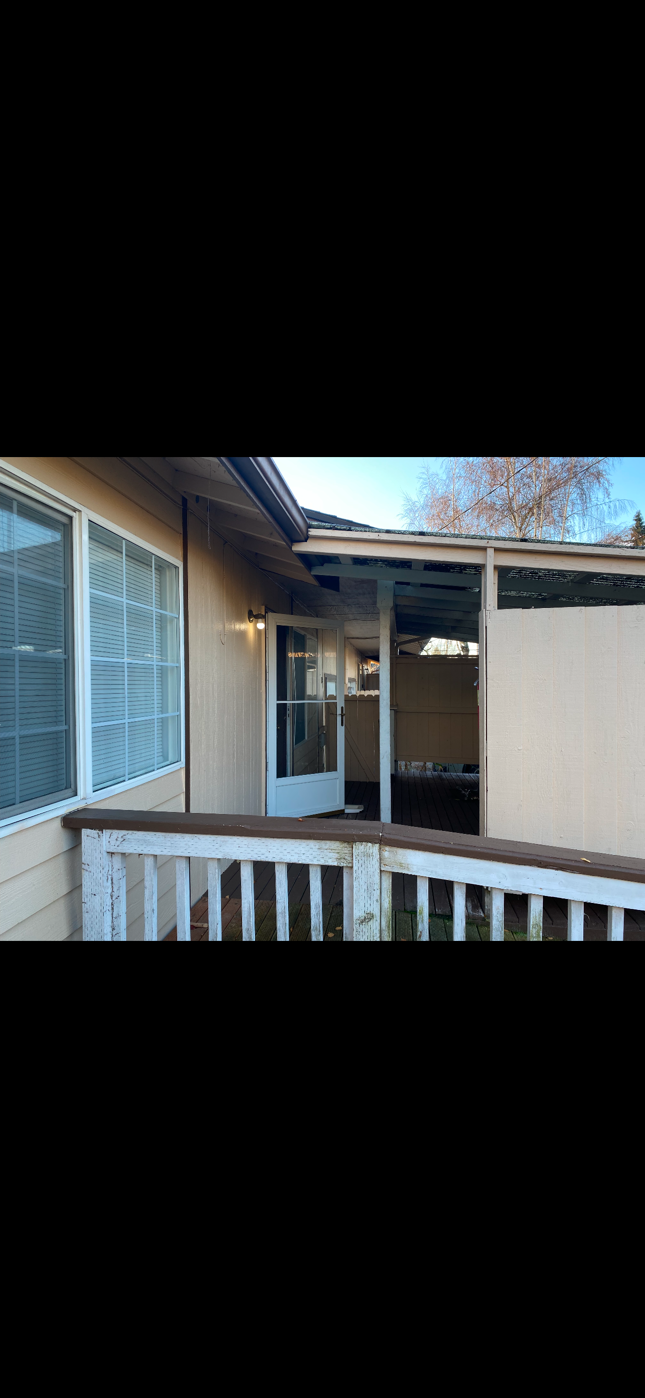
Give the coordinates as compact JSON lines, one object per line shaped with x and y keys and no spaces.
{"x":432,"y":802}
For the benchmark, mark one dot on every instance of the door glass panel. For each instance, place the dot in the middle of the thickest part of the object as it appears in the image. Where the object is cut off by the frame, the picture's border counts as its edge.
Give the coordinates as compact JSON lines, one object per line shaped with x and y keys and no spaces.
{"x":306,"y":738}
{"x":306,"y":663}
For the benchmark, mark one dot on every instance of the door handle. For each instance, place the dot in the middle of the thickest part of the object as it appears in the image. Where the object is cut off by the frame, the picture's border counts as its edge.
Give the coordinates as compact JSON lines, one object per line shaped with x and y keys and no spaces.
{"x":342,"y":717}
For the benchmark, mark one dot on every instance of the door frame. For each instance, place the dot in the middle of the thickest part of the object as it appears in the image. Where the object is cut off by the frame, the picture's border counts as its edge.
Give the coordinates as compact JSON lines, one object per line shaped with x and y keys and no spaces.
{"x":309,"y":782}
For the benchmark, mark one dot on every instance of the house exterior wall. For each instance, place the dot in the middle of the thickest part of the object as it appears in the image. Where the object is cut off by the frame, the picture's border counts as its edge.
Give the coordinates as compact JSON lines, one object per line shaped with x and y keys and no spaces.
{"x":566,"y":727}
{"x":40,"y":862}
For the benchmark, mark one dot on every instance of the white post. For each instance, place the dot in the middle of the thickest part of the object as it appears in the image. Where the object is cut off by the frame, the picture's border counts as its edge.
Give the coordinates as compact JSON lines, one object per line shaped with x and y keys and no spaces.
{"x":385,"y":594}
{"x":315,"y":902}
{"x":423,"y":900}
{"x":281,"y":903}
{"x":182,"y":876}
{"x":150,"y":898}
{"x":534,"y":918}
{"x":248,"y":900}
{"x":458,"y":912}
{"x":615,"y":924}
{"x":386,"y":906}
{"x":575,"y":921}
{"x":215,"y":900}
{"x":488,"y":604}
{"x":115,"y":903}
{"x":497,"y":914}
{"x":94,"y":889}
{"x":367,"y":892}
{"x":348,"y":904}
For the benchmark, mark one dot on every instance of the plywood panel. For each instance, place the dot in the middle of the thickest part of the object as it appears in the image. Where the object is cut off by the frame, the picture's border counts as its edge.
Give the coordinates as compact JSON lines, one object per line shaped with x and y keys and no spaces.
{"x":361,"y":740}
{"x":505,"y":723}
{"x":537,"y":734}
{"x":574,"y":747}
{"x":630,"y":755}
{"x":436,"y":710}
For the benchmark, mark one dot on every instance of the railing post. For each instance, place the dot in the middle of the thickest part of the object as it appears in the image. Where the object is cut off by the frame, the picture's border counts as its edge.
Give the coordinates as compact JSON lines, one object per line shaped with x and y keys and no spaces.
{"x":458,"y":912}
{"x":367,"y":892}
{"x":423,"y":900}
{"x":575,"y":921}
{"x":281,"y":903}
{"x":534,"y":918}
{"x":215,"y":900}
{"x":315,"y":902}
{"x":150,"y":898}
{"x":94,"y":890}
{"x":386,"y":906}
{"x":115,"y":906}
{"x":248,"y":900}
{"x":182,"y":875}
{"x":497,"y":914}
{"x":348,"y":904}
{"x":615,"y":924}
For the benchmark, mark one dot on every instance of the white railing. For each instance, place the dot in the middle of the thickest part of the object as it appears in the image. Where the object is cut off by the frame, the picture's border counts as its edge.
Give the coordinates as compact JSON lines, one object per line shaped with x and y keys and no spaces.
{"x":367,"y":864}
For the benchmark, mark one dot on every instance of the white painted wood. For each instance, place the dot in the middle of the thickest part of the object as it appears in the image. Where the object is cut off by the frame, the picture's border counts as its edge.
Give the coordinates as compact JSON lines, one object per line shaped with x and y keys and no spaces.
{"x":385,"y":593}
{"x":315,"y":793}
{"x":348,"y":904}
{"x":386,"y":906}
{"x":534,"y":918}
{"x":281,"y":902}
{"x":568,"y":742}
{"x":423,"y":899}
{"x":537,"y":736}
{"x":489,"y":581}
{"x":615,"y":924}
{"x":215,"y":900}
{"x":458,"y":912}
{"x":366,"y":893}
{"x":182,"y":875}
{"x":115,"y":907}
{"x":575,"y":921}
{"x":482,"y":722}
{"x":311,"y":851}
{"x":315,"y":898}
{"x":497,"y":915}
{"x":380,"y":544}
{"x":150,"y":898}
{"x":248,"y":900}
{"x":94,"y":889}
{"x":552,"y":883}
{"x":600,"y":724}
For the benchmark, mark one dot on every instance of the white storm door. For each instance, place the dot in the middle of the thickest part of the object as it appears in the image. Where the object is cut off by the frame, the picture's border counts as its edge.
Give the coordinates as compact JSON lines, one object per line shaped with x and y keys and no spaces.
{"x":305,"y":718}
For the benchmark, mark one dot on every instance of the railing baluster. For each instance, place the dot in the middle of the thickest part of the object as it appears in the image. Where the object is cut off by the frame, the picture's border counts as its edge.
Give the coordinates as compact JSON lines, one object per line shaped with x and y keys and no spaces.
{"x":116,"y":908}
{"x":315,"y":902}
{"x":497,"y":914}
{"x":366,"y":920}
{"x":458,"y":912}
{"x":281,"y":903}
{"x":214,"y":900}
{"x":182,"y":875}
{"x":575,"y":921}
{"x":348,"y":904}
{"x":248,"y":900}
{"x":422,"y":908}
{"x":386,"y":906}
{"x":615,"y":924}
{"x":149,"y":897}
{"x":534,"y":918}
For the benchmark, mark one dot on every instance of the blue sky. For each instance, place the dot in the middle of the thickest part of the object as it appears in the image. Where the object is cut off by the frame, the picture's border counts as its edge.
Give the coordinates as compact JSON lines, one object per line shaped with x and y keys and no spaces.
{"x":370,"y":489}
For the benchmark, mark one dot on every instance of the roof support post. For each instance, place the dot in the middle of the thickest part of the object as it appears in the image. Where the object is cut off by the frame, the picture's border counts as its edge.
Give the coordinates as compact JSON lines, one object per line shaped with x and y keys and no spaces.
{"x":385,"y":594}
{"x":489,"y":604}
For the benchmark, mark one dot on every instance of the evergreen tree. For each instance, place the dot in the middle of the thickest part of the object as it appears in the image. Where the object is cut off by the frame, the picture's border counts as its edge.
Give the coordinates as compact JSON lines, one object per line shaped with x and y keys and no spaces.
{"x":637,"y":537}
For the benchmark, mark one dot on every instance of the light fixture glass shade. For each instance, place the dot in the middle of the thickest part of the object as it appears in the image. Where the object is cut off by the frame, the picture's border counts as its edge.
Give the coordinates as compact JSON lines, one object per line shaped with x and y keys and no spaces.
{"x":260,"y":626}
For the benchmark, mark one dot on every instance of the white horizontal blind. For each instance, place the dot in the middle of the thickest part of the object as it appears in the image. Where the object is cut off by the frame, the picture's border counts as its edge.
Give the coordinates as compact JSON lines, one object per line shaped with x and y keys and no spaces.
{"x":134,"y":644}
{"x":36,"y":749}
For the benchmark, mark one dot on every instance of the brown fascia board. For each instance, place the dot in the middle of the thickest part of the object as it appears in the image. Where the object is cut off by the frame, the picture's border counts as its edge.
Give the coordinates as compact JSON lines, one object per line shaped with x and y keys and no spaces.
{"x":260,"y":475}
{"x":483,"y":847}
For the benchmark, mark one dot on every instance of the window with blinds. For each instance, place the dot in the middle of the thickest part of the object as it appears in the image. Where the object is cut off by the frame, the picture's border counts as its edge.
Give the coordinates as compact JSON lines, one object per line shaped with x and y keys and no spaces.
{"x":36,"y":691}
{"x":134,"y":644}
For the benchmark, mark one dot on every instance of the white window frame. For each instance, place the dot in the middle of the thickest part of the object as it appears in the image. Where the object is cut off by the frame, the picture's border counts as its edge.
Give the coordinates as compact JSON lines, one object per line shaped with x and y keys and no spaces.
{"x":20,"y":482}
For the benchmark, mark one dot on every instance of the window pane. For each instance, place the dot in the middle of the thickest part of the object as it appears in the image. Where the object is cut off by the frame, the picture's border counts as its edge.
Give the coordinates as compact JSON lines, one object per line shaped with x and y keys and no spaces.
{"x":167,"y":689}
{"x":108,"y":692}
{"x":138,"y":575}
{"x":35,"y":654}
{"x":140,"y":633}
{"x":141,"y":747}
{"x":306,"y":739}
{"x":166,"y":587}
{"x":106,"y":561}
{"x":168,"y":746}
{"x":167,"y":637}
{"x":141,"y":691}
{"x":108,"y":755}
{"x":106,"y":626}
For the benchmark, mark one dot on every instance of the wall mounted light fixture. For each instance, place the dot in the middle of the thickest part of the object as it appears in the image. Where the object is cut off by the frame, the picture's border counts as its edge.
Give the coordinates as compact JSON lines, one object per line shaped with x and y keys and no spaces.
{"x":258,"y":618}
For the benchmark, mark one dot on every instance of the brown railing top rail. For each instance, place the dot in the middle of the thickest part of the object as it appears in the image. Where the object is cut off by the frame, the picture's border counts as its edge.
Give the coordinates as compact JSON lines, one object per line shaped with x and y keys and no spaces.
{"x":609,"y":866}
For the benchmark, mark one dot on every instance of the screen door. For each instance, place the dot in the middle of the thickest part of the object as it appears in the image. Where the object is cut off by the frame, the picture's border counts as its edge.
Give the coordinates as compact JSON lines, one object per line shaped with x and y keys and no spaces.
{"x":305,"y":720}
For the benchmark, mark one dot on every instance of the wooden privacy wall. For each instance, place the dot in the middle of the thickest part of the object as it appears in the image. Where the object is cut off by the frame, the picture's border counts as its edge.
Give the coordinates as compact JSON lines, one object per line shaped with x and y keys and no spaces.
{"x":361,"y":739}
{"x":566,"y":727}
{"x":436,"y":709}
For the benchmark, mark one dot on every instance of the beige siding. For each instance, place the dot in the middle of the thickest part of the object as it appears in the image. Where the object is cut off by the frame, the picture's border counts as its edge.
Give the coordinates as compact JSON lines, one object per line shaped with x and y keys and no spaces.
{"x":566,"y":727}
{"x":436,"y":710}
